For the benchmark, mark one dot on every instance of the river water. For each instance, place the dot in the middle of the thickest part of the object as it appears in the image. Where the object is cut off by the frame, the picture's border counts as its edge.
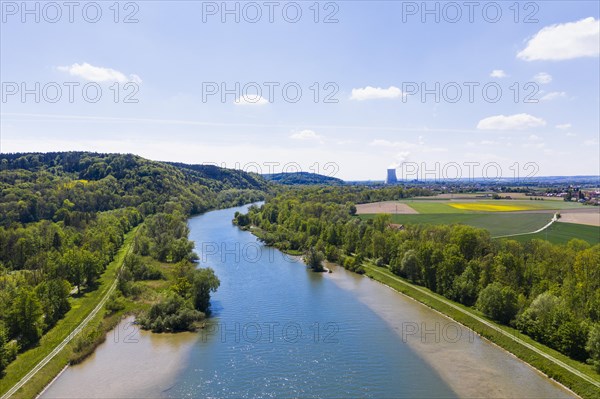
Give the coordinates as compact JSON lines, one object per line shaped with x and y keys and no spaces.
{"x":280,"y":330}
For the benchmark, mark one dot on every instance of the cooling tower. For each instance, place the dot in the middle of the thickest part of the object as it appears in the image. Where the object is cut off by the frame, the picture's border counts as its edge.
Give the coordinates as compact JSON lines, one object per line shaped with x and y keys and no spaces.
{"x":391,"y":177}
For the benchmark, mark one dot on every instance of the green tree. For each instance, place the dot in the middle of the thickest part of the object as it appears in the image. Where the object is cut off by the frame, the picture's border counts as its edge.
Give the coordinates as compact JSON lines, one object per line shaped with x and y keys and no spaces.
{"x":54,"y":298}
{"x":409,"y":266}
{"x":314,"y":259}
{"x":204,"y":281}
{"x":4,"y":357}
{"x":25,"y":319}
{"x":498,"y":302}
{"x":73,"y":264}
{"x":593,"y":346}
{"x":464,"y":288}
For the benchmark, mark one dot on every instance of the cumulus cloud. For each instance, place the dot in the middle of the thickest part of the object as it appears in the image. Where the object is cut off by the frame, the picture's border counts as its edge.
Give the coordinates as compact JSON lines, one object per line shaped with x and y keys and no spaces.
{"x":543,"y":78}
{"x":564,"y":41}
{"x":250,"y":99}
{"x":306,"y":135}
{"x":510,"y":122}
{"x":374,"y":93}
{"x":498,"y":73}
{"x":98,"y":74}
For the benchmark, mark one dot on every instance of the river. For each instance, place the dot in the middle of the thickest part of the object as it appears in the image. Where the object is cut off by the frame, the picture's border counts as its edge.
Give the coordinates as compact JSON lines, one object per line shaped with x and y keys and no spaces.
{"x":280,"y":330}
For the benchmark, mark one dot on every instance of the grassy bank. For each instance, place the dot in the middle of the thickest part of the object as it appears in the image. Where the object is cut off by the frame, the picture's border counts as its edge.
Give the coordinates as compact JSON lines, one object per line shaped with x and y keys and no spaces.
{"x":81,"y":307}
{"x":468,"y":317}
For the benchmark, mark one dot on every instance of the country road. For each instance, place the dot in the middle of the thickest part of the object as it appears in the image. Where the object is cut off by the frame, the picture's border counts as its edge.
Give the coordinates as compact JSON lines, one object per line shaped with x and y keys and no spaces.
{"x":70,"y":337}
{"x":497,"y":329}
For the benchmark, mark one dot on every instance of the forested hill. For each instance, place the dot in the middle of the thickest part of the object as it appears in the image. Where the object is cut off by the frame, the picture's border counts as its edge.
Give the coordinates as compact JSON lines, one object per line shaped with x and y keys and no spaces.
{"x":38,"y":186}
{"x":303,"y":178}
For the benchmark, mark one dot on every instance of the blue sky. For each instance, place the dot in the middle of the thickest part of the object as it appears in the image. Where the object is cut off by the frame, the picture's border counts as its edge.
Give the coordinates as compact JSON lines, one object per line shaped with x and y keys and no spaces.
{"x":372,"y":61}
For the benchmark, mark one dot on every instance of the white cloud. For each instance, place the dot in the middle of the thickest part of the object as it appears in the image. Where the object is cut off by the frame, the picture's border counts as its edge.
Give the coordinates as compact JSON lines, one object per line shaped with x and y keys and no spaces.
{"x":98,"y":74}
{"x":250,"y":99}
{"x":373,"y":93}
{"x":591,"y":142}
{"x":489,"y":142}
{"x":564,"y":41}
{"x":498,"y":73}
{"x":510,"y":122}
{"x":306,"y":135}
{"x":553,"y":95}
{"x":543,"y":78}
{"x":564,"y":126}
{"x":570,"y":134}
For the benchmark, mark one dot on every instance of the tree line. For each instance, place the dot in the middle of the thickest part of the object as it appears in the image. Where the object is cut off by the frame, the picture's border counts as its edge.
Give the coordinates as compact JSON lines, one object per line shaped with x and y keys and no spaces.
{"x":550,"y":292}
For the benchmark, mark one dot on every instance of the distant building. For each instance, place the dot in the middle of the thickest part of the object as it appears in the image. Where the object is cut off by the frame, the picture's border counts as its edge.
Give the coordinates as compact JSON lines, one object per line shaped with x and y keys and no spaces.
{"x":391,"y":177}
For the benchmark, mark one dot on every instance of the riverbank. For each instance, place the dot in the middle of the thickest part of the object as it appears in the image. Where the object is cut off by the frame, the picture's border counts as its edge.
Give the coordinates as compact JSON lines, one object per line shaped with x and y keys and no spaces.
{"x":34,"y":369}
{"x":575,"y":376}
{"x":131,"y":363}
{"x":471,"y":365}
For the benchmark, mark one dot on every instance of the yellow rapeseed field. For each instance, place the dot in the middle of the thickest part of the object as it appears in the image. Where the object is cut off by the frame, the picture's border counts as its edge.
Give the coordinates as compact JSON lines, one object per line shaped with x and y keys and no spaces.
{"x":491,"y":208}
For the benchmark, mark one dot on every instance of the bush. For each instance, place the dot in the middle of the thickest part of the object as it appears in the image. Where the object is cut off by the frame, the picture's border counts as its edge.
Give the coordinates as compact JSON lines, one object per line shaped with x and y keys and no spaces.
{"x":170,"y":315}
{"x":115,"y":303}
{"x":139,"y":270}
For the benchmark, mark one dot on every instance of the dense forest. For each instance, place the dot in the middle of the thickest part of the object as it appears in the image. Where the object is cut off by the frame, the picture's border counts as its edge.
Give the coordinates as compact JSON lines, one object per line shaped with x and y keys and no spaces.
{"x":550,"y":292}
{"x":69,"y":186}
{"x":303,"y":178}
{"x":63,"y":217}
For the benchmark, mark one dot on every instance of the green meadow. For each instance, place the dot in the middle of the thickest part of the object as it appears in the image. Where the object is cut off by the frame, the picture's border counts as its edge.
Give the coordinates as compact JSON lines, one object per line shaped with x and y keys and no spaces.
{"x":560,"y":233}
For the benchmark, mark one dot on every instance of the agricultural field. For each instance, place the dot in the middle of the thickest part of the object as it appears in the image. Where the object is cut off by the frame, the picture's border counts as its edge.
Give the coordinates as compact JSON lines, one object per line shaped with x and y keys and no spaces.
{"x":591,"y":218}
{"x":561,"y":233}
{"x":498,"y":224}
{"x":480,"y":196}
{"x":469,"y":206}
{"x":499,"y":217}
